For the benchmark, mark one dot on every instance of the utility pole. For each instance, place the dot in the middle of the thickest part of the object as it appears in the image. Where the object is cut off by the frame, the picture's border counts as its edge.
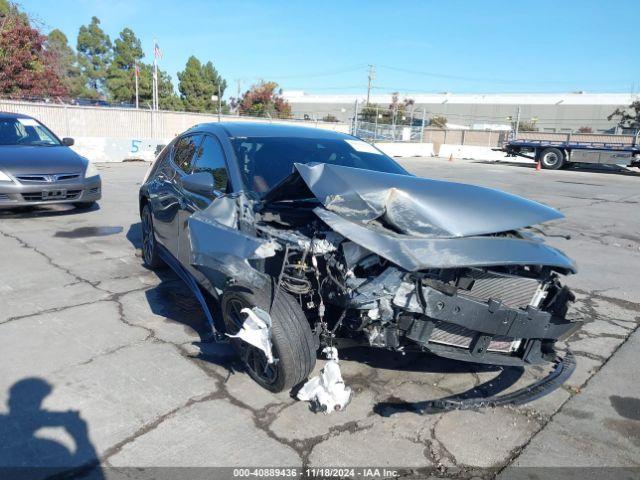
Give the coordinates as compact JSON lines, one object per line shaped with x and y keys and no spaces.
{"x":375,"y":135}
{"x":355,"y":119}
{"x":219,"y":103}
{"x":517,"y":124}
{"x":371,"y":77}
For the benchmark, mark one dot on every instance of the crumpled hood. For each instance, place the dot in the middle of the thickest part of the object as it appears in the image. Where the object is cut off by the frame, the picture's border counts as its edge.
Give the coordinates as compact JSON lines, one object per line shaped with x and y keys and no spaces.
{"x":415,"y":206}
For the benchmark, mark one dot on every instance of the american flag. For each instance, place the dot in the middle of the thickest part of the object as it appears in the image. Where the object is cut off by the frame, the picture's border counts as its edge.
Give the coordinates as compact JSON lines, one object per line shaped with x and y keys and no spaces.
{"x":157,"y":53}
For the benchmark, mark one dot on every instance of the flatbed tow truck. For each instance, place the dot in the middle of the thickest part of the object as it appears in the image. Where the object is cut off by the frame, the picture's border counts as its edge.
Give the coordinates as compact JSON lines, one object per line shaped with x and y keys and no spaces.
{"x":554,"y":155}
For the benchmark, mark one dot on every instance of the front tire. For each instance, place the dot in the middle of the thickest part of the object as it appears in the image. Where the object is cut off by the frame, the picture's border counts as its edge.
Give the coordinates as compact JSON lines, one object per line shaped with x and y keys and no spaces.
{"x":291,"y":337}
{"x":552,"y":159}
{"x":150,"y":254}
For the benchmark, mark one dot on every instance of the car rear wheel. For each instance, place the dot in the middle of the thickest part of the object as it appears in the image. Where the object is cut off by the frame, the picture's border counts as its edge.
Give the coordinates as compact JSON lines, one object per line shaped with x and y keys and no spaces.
{"x":150,"y":253}
{"x":291,"y":337}
{"x":552,"y":159}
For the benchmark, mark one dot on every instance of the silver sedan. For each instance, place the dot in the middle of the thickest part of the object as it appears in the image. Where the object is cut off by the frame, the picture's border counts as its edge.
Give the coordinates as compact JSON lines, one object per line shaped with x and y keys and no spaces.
{"x":37,"y":168}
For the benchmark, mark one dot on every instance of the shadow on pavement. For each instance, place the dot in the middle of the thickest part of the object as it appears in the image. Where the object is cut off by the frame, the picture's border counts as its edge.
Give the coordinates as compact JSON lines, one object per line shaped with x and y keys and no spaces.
{"x":428,"y":363}
{"x":26,"y":454}
{"x":134,"y":235}
{"x":45,"y":211}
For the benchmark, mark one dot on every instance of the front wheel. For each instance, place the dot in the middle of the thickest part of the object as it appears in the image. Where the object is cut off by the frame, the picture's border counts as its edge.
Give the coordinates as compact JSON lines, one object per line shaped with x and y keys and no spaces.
{"x":150,"y":253}
{"x":552,"y":159}
{"x":291,"y":337}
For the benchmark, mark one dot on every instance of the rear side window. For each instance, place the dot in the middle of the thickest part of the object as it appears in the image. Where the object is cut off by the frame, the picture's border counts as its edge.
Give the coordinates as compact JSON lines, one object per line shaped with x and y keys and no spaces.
{"x":210,"y":158}
{"x":160,"y":162}
{"x":184,"y":151}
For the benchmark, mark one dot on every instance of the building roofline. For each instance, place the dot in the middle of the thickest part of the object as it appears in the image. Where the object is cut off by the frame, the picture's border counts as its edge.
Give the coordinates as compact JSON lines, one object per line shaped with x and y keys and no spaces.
{"x":577,"y":98}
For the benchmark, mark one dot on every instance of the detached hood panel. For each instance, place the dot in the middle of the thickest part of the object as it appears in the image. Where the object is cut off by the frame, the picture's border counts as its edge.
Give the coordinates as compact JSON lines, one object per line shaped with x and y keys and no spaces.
{"x":415,"y":206}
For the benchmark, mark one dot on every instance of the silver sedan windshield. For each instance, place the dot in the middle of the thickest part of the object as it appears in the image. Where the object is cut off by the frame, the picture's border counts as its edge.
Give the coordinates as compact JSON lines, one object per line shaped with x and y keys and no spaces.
{"x":25,"y":131}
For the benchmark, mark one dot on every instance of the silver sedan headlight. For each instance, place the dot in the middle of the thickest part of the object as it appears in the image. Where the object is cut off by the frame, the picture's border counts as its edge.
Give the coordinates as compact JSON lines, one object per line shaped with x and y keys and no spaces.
{"x":4,"y":177}
{"x":91,"y":171}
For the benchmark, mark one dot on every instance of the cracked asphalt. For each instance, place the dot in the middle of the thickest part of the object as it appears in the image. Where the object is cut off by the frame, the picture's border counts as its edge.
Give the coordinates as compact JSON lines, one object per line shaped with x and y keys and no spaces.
{"x":104,"y":359}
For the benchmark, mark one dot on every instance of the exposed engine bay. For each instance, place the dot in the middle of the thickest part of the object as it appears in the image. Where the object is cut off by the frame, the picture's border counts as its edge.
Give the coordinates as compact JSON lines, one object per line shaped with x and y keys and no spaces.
{"x":397,"y":262}
{"x":495,"y":315}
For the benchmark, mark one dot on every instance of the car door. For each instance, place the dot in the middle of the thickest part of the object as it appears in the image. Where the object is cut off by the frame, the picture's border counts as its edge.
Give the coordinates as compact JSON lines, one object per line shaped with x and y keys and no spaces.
{"x":166,"y":192}
{"x":208,"y":158}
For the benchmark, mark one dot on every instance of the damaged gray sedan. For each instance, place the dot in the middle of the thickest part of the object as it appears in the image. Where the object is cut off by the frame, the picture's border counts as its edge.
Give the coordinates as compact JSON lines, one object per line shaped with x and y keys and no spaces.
{"x":309,"y":239}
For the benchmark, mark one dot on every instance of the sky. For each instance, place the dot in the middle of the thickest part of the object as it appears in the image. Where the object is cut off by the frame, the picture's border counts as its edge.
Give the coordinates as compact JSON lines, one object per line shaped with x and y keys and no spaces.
{"x":421,"y":46}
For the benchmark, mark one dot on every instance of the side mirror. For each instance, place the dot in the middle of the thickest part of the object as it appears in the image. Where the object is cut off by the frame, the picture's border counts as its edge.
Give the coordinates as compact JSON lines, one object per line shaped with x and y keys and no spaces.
{"x":67,"y":142}
{"x":201,"y":183}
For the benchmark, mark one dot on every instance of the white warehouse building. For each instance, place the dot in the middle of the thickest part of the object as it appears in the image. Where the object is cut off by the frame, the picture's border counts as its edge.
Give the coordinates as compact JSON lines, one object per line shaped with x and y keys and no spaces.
{"x":550,"y":112}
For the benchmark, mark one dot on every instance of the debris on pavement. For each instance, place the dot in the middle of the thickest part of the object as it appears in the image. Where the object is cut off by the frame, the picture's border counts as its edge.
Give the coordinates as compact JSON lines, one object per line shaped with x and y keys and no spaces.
{"x":327,"y":392}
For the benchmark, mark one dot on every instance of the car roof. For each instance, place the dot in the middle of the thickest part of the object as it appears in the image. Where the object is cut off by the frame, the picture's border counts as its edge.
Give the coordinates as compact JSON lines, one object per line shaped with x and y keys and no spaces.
{"x":264,"y":129}
{"x":13,"y":115}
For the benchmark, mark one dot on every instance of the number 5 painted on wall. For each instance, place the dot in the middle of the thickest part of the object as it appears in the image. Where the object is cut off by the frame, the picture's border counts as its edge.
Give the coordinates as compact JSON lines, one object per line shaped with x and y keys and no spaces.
{"x":135,"y":146}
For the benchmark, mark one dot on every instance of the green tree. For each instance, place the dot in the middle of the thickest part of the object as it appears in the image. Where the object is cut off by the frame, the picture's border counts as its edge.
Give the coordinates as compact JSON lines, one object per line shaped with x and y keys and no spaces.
{"x":369,"y":112}
{"x":626,"y":118}
{"x":265,"y":99}
{"x":438,"y":121}
{"x":167,"y":98}
{"x":198,"y":83}
{"x":10,"y":10}
{"x":66,"y":66}
{"x":120,"y":75}
{"x":94,"y":56}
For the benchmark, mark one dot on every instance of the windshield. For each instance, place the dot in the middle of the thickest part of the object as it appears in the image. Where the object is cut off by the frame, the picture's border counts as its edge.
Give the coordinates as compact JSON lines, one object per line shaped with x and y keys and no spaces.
{"x":25,"y":131}
{"x":265,"y":161}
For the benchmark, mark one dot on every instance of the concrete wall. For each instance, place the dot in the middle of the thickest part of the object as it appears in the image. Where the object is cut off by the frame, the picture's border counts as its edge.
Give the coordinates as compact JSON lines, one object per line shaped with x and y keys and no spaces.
{"x":470,"y":151}
{"x":128,"y":123}
{"x":398,"y":149}
{"x":104,"y":149}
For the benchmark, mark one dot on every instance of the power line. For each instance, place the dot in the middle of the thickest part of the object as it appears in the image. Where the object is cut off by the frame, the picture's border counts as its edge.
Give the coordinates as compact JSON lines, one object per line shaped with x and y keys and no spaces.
{"x":325,"y":73}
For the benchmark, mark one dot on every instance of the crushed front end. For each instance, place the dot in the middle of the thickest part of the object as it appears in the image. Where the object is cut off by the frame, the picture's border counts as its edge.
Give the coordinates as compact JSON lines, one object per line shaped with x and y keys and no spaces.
{"x":400,"y":269}
{"x":501,"y":316}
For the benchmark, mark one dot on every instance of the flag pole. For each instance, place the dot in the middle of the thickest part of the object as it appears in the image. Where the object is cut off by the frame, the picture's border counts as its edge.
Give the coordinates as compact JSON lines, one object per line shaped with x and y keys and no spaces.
{"x":155,"y":84}
{"x":155,"y":74}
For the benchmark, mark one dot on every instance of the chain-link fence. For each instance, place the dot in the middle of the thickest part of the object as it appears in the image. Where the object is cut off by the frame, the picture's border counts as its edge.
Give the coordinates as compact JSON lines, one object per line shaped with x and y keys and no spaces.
{"x":402,"y":124}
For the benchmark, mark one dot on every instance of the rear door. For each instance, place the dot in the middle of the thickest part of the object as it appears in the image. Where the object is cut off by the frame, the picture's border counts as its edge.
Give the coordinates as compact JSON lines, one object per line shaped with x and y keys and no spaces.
{"x":166,"y":197}
{"x":209,"y":158}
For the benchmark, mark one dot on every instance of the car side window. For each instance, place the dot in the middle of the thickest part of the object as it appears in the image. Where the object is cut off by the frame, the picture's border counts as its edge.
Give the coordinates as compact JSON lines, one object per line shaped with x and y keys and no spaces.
{"x":184,"y":151}
{"x":210,"y":158}
{"x":159,"y":166}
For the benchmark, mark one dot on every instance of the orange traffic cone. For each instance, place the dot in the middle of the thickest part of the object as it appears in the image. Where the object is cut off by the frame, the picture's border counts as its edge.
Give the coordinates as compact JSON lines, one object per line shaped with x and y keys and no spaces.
{"x":451,"y":157}
{"x":538,"y":166}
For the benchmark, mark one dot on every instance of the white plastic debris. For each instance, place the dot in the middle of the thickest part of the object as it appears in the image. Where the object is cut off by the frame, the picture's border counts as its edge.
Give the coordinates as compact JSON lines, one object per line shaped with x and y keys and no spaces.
{"x":327,"y":391}
{"x":267,"y":249}
{"x":256,"y":331}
